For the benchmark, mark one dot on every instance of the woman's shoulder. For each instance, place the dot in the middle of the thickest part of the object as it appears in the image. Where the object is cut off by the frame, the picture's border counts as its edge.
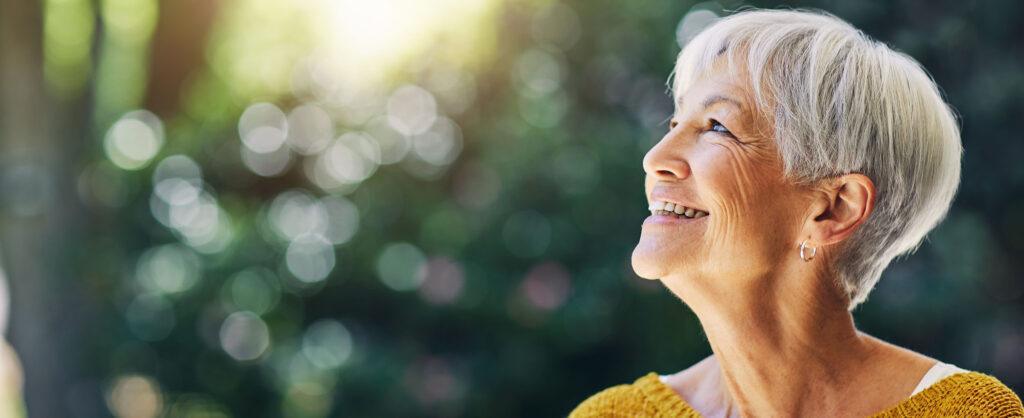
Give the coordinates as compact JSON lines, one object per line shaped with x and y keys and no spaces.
{"x":961,"y":394}
{"x":645,"y":397}
{"x":621,"y":400}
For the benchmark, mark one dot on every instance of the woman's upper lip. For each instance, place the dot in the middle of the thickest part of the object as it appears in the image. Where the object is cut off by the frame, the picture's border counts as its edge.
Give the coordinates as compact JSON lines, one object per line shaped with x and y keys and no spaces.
{"x":665,"y":197}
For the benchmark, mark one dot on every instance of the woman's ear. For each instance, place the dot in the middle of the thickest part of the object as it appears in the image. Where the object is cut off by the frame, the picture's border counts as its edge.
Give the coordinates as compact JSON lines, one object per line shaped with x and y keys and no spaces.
{"x":843,"y":204}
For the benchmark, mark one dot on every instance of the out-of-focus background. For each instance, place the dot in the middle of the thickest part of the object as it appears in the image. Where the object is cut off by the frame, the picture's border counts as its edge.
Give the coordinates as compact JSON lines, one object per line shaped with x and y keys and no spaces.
{"x":363,"y":208}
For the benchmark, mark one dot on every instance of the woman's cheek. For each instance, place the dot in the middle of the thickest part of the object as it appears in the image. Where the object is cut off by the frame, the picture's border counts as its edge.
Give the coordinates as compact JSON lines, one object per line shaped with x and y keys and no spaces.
{"x":736,"y":185}
{"x":718,"y":195}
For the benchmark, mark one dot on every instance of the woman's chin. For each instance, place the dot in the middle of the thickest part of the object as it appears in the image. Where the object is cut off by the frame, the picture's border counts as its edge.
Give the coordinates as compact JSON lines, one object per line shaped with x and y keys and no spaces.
{"x":647,"y":262}
{"x":655,"y":258}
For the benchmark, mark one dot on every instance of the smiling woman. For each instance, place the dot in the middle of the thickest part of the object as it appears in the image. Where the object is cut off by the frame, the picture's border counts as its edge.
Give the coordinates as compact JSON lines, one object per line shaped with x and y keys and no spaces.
{"x":801,"y":159}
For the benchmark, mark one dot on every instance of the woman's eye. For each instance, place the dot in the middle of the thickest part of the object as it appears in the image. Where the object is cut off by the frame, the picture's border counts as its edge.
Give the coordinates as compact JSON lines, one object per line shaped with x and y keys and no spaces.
{"x":718,"y":127}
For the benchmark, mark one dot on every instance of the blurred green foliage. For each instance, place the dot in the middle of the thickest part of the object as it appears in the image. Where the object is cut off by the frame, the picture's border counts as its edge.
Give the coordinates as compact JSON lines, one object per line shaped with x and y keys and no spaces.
{"x":482,"y":271}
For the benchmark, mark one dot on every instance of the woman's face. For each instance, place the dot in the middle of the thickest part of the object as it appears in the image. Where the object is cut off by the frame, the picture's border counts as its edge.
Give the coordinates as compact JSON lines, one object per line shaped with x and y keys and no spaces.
{"x":718,"y":158}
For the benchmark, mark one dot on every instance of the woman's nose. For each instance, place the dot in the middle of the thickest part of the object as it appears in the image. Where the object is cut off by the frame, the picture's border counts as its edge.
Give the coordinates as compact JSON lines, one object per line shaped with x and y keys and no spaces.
{"x":666,"y":161}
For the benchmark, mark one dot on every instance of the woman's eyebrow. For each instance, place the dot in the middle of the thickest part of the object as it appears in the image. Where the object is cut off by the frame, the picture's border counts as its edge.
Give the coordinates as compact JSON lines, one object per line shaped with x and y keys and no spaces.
{"x":713,"y":100}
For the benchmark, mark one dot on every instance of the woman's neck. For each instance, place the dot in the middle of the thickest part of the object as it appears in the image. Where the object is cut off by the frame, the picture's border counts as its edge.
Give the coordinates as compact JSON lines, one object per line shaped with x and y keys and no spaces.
{"x":783,"y":347}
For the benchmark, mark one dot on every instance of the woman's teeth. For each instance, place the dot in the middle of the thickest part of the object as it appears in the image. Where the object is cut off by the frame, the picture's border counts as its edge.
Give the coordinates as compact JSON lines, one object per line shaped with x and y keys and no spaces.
{"x":659,"y":207}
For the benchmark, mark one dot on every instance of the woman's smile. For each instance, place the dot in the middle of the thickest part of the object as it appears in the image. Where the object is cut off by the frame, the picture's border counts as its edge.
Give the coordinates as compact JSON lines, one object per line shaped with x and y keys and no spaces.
{"x":663,"y":212}
{"x":664,"y":218}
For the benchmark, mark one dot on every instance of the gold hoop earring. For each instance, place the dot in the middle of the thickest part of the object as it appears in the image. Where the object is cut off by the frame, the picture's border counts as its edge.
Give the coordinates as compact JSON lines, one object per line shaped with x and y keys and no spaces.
{"x":803,"y":249}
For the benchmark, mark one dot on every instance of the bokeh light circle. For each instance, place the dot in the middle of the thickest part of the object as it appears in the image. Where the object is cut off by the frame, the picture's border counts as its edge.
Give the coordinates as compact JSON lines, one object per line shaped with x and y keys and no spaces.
{"x":398,"y":266}
{"x":244,"y":336}
{"x":134,"y":140}
{"x":327,"y":344}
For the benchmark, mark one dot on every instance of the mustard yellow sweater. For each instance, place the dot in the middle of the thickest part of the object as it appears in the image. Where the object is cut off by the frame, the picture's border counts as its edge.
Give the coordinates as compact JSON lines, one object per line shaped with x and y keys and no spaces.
{"x":969,"y":394}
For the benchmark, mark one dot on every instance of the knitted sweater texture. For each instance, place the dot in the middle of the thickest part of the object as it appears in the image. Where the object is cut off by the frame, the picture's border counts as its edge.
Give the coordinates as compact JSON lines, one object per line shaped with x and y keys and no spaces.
{"x":969,"y":394}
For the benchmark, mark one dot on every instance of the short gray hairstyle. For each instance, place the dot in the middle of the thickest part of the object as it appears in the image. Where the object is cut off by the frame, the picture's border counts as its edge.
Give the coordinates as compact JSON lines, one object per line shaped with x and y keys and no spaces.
{"x":844,"y":103}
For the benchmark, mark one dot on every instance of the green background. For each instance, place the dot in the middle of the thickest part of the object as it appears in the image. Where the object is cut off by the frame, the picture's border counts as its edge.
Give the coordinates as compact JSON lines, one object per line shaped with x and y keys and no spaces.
{"x":494,"y":284}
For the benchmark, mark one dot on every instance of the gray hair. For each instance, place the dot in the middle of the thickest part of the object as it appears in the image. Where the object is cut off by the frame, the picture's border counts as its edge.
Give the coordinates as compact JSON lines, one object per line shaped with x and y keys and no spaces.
{"x":844,"y":103}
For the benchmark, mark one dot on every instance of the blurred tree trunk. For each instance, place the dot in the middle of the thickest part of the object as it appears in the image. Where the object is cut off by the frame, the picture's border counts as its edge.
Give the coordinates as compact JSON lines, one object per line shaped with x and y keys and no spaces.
{"x":178,"y":53}
{"x":39,"y":142}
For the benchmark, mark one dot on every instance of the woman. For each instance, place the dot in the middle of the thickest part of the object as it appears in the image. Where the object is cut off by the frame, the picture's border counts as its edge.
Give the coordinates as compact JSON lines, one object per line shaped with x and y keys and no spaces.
{"x":801,"y":159}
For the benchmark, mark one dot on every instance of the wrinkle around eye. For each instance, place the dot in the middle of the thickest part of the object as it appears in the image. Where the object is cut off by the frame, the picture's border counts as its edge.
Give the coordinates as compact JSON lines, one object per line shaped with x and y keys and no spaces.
{"x":738,"y":133}
{"x":727,"y":133}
